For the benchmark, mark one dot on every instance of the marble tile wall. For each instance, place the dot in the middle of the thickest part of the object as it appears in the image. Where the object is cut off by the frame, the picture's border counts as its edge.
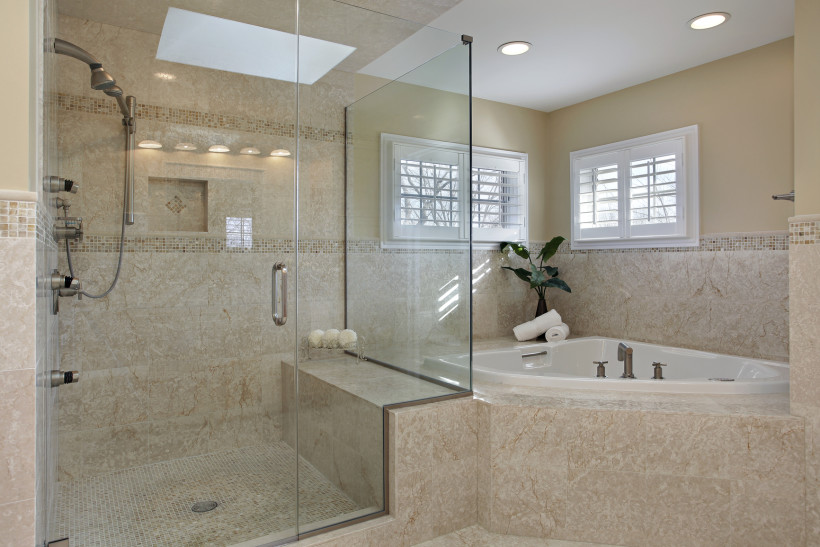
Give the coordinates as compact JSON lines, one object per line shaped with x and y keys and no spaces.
{"x":339,"y":433}
{"x":182,"y":357}
{"x":18,"y":361}
{"x":598,"y":476}
{"x":804,"y":290}
{"x":621,"y":477}
{"x":730,"y":295}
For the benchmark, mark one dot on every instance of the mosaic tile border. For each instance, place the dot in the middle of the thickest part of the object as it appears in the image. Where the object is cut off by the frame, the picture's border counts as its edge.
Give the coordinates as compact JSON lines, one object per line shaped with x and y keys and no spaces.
{"x":184,"y":116}
{"x":762,"y":241}
{"x":775,"y":241}
{"x":207,"y":245}
{"x":804,"y":232}
{"x":18,"y":219}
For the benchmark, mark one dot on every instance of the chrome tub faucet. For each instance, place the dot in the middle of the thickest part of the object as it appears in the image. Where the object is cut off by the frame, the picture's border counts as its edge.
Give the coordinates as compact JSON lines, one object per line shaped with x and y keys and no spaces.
{"x":625,"y":355}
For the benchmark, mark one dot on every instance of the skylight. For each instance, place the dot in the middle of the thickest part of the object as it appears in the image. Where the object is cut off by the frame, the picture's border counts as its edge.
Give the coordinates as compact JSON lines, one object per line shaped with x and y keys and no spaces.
{"x":212,"y":42}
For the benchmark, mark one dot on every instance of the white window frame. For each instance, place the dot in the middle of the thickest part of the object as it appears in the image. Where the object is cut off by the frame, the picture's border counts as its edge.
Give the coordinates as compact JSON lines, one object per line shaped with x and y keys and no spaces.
{"x":682,"y":233}
{"x":396,"y":236}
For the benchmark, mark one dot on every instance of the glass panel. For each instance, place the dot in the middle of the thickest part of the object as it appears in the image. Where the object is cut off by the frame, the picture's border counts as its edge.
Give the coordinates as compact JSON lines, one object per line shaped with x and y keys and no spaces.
{"x":183,"y":382}
{"x":411,"y":305}
{"x":341,"y":400}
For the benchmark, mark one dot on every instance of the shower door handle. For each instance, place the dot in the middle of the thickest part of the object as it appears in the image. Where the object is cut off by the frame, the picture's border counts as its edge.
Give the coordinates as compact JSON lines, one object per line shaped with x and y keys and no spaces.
{"x":279,"y":269}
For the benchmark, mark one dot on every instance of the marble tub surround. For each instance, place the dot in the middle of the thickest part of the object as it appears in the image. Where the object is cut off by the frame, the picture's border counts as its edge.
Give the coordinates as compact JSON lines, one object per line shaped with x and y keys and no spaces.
{"x":620,"y":477}
{"x":734,"y":300}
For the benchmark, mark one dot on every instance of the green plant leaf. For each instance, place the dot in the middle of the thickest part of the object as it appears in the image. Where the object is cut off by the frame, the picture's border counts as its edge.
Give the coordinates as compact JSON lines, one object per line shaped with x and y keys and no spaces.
{"x":522,"y":273}
{"x":538,"y":279}
{"x":558,"y":284}
{"x":551,"y":271}
{"x":517,"y":248}
{"x":550,"y":248}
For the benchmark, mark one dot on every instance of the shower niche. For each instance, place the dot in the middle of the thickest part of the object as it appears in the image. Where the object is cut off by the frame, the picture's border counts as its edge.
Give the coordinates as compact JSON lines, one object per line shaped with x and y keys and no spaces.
{"x":177,"y":205}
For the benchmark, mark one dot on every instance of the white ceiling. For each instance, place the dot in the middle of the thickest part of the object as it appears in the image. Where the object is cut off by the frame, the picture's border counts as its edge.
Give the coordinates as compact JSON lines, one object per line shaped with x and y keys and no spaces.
{"x":587,"y":48}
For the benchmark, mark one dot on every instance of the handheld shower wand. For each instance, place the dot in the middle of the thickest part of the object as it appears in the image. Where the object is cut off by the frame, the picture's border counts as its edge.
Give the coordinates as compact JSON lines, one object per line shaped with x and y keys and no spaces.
{"x":100,"y":79}
{"x":128,"y":107}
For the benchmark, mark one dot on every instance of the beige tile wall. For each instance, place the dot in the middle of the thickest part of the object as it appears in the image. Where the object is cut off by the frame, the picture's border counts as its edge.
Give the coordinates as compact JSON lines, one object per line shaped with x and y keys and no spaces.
{"x":804,"y":289}
{"x":729,"y":296}
{"x":17,"y":377}
{"x":645,"y":478}
{"x":339,"y":433}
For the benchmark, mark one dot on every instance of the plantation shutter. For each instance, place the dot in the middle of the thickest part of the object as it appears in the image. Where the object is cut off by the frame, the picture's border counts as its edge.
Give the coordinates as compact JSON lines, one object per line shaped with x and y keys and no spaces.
{"x":598,"y":196}
{"x":498,"y":187}
{"x":656,"y":189}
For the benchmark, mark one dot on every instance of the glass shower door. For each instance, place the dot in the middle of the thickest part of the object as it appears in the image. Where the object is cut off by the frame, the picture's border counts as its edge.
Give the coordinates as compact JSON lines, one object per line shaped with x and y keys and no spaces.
{"x":175,"y":434}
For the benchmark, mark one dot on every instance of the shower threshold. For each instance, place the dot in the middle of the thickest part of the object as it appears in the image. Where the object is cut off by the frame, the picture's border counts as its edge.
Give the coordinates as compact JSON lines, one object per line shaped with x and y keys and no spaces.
{"x":254,"y":488}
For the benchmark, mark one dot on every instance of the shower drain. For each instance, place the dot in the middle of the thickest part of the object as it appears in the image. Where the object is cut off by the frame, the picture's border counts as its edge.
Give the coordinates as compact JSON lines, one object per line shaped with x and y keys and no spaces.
{"x":203,"y":506}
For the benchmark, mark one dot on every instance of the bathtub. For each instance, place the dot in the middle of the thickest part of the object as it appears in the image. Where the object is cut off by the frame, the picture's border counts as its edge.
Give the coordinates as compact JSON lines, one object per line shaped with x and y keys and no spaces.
{"x":569,"y":364}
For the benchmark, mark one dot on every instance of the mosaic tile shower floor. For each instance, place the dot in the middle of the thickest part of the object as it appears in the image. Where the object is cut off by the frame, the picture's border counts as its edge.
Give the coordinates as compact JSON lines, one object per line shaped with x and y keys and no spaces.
{"x":151,"y":505}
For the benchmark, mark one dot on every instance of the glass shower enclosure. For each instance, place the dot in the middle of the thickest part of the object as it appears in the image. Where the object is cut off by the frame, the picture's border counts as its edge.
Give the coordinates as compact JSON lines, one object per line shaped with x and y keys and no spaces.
{"x":203,"y":415}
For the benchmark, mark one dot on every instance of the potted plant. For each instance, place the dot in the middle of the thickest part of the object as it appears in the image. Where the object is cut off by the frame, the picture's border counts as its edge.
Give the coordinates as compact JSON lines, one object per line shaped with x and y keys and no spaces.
{"x":540,"y":277}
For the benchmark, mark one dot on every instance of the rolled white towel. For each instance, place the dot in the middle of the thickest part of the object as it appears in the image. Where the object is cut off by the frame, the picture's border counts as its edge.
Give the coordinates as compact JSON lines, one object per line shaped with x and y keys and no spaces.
{"x":347,"y":339}
{"x":557,"y":333}
{"x":537,"y":327}
{"x":316,"y":338}
{"x":331,"y":338}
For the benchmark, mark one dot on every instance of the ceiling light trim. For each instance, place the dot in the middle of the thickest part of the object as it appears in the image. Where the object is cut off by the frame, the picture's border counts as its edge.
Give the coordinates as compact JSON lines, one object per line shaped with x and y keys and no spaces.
{"x":709,"y":20}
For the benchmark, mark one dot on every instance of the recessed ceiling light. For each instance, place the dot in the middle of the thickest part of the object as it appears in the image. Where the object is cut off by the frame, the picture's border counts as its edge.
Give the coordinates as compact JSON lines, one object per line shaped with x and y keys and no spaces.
{"x":149,"y":144}
{"x":219,"y":148}
{"x":185,"y":146}
{"x":167,"y":76}
{"x":280,"y":152}
{"x":709,"y":20}
{"x":249,"y":151}
{"x":514,"y":48}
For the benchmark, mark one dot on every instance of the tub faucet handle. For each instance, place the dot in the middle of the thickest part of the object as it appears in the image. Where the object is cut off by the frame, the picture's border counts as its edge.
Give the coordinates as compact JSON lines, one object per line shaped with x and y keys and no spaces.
{"x":658,"y":373}
{"x":601,"y":372}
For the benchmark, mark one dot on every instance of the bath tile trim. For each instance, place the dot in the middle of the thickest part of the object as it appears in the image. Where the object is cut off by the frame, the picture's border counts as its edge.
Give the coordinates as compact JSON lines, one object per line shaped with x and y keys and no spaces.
{"x":184,"y":116}
{"x":804,"y":230}
{"x":18,"y":219}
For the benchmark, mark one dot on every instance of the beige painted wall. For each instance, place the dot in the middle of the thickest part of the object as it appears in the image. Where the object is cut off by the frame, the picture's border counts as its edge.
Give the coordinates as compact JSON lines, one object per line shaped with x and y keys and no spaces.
{"x":14,"y":95}
{"x":414,"y":111}
{"x":744,"y":107}
{"x":499,"y":125}
{"x":806,"y":106}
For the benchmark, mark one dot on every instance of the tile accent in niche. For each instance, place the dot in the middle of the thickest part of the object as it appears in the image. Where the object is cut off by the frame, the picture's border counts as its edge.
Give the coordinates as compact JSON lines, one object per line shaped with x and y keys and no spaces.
{"x":18,"y":219}
{"x":183,"y":116}
{"x":804,"y":232}
{"x":177,"y":205}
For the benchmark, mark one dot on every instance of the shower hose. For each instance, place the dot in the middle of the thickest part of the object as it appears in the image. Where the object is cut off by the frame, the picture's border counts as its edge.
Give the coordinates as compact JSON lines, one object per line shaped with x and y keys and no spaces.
{"x":122,"y":246}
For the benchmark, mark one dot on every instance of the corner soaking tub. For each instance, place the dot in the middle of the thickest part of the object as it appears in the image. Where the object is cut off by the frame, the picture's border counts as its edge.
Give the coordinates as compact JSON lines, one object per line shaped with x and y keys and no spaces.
{"x":569,"y":364}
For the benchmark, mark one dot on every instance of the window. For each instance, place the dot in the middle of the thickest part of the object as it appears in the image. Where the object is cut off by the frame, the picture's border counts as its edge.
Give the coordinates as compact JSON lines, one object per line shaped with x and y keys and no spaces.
{"x":239,"y":232}
{"x":637,"y":193}
{"x":425,"y":193}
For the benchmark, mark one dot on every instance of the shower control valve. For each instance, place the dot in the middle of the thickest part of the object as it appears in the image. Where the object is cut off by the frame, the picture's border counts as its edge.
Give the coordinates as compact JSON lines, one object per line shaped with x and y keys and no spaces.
{"x":72,"y":229}
{"x":65,"y":285}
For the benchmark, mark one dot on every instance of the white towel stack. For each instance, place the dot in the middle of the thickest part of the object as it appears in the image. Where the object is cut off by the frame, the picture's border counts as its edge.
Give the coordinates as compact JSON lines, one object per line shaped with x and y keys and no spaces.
{"x":333,"y":339}
{"x":557,"y":333}
{"x":538,"y":326}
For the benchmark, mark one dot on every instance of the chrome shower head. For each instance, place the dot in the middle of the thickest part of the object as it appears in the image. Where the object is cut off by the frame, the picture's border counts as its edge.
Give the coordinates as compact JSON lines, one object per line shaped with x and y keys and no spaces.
{"x":100,"y":79}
